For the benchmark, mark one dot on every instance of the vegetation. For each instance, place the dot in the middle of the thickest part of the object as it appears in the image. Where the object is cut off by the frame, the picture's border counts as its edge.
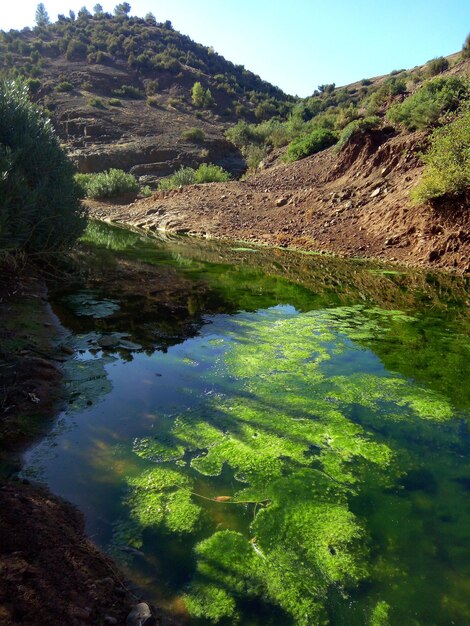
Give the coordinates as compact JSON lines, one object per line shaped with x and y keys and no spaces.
{"x":314,"y":142}
{"x":205,"y":173}
{"x":197,"y":135}
{"x":433,"y":99}
{"x":200,"y":97}
{"x":356,"y":127}
{"x":447,"y":162}
{"x":437,"y":66}
{"x":466,"y":48}
{"x":39,"y":206}
{"x":107,"y":184}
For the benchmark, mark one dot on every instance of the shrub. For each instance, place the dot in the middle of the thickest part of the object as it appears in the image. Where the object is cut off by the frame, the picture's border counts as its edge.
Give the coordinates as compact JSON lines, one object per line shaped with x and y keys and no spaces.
{"x":64,"y":85}
{"x":181,"y":178}
{"x":424,"y":108}
{"x":466,"y":48}
{"x":128,"y":91}
{"x":194,"y":134}
{"x":209,"y":173}
{"x":34,"y":84}
{"x":316,"y":141}
{"x":39,"y":206}
{"x":447,"y":162}
{"x":114,"y":102}
{"x":107,"y":184}
{"x":205,"y":173}
{"x":200,"y":97}
{"x":355,"y":127}
{"x":97,"y":103}
{"x":437,"y":66}
{"x":76,"y":50}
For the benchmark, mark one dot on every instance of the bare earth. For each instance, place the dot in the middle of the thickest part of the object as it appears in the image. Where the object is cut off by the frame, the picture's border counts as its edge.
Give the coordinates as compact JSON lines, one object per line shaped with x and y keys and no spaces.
{"x":355,"y":203}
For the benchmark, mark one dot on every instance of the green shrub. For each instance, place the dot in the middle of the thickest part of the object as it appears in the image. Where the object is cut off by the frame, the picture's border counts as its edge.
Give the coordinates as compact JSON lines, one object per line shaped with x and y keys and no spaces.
{"x":316,"y":141}
{"x":128,"y":91}
{"x":424,"y":108}
{"x":114,"y":102}
{"x":437,"y":66}
{"x":76,"y":50}
{"x":209,"y":173}
{"x":447,"y":162}
{"x":153,"y":101}
{"x":205,"y":173}
{"x":64,"y":85}
{"x":107,"y":184}
{"x":97,"y":103}
{"x":466,"y":48}
{"x":145,"y":191}
{"x":39,"y":205}
{"x":34,"y":84}
{"x":194,"y":134}
{"x":181,"y":178}
{"x":355,"y":127}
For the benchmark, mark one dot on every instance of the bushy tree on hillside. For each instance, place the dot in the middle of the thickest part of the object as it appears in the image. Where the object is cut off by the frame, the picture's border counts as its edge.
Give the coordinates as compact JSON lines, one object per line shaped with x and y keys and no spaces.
{"x":122,"y":10}
{"x":98,"y":10}
{"x":466,"y":48}
{"x":42,"y":17}
{"x":39,"y":206}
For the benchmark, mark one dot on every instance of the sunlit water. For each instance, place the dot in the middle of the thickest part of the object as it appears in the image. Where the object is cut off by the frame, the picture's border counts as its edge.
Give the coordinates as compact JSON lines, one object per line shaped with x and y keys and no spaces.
{"x":292,"y":449}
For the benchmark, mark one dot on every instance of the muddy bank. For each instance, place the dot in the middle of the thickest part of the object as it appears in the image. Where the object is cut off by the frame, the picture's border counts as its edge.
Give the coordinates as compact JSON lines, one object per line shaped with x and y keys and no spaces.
{"x":50,"y":573}
{"x":352,"y":203}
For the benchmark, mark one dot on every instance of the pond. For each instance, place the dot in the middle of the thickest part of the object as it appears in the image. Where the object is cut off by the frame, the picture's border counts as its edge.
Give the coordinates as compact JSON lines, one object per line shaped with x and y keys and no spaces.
{"x":265,"y":437}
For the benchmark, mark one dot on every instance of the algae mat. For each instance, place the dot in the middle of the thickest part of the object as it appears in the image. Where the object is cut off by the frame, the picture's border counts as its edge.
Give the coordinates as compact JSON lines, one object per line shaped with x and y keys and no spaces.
{"x":288,"y":463}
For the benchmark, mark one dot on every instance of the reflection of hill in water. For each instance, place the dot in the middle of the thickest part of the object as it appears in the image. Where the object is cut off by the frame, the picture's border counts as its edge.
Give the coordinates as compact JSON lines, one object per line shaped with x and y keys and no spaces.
{"x":166,"y":285}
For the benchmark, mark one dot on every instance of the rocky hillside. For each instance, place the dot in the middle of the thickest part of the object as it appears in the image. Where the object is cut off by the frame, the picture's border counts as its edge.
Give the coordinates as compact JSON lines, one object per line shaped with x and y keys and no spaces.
{"x":353,"y":200}
{"x":119,"y":91}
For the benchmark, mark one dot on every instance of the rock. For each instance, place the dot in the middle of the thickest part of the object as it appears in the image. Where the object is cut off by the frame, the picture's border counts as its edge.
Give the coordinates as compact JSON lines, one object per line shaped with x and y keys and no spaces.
{"x":375,"y":193}
{"x":141,"y":616}
{"x":392,"y":241}
{"x":108,"y":341}
{"x":282,"y":201}
{"x":385,"y":171}
{"x":67,"y":349}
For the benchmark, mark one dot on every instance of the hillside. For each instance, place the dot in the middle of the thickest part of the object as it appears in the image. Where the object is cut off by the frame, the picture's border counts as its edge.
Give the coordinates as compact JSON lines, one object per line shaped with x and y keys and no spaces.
{"x":351,"y":199}
{"x":119,"y":92}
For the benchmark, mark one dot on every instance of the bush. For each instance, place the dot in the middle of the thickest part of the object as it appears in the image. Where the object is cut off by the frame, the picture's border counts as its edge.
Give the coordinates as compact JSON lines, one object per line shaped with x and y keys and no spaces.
{"x":114,"y":102}
{"x":437,"y":66}
{"x":97,"y":103}
{"x":209,"y":173}
{"x":39,"y":200}
{"x":128,"y":91}
{"x":64,"y":85}
{"x":153,"y":101}
{"x":194,"y":134}
{"x":107,"y":184}
{"x":316,"y":141}
{"x":355,"y":127}
{"x":424,"y":108}
{"x":466,"y":48}
{"x":205,"y":173}
{"x":447,"y":162}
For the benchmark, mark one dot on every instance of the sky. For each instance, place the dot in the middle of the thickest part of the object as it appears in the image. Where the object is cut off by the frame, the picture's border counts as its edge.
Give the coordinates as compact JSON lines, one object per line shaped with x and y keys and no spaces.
{"x":298,"y":44}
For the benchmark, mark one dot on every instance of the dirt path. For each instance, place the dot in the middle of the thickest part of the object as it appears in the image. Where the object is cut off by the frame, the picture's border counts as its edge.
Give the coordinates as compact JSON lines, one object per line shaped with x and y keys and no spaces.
{"x":355,"y":203}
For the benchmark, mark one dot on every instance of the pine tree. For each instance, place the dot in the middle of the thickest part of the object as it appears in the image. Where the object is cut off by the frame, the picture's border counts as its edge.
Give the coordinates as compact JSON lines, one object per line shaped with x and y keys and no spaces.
{"x":198,"y":95}
{"x":42,"y":17}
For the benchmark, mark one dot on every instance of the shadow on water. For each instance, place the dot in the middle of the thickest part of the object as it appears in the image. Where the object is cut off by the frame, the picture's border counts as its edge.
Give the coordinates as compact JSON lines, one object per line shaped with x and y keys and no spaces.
{"x":266,"y":436}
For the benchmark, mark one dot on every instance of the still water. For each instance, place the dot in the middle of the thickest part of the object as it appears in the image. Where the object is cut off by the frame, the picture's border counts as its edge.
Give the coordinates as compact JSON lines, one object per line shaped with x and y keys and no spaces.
{"x":263,"y":437}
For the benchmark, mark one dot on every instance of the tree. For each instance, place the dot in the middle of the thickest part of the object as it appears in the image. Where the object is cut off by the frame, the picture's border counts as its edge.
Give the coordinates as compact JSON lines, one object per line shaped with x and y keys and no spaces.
{"x":39,"y":205}
{"x":84,"y":12}
{"x":466,"y":48}
{"x":150,"y":18}
{"x":198,"y":95}
{"x":42,"y":17}
{"x":122,"y":10}
{"x":98,"y":10}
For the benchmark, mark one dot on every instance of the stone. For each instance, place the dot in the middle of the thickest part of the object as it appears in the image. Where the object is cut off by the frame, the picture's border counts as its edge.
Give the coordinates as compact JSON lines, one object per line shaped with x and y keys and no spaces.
{"x":281,"y":201}
{"x":141,"y":616}
{"x":66,"y":349}
{"x":375,"y":193}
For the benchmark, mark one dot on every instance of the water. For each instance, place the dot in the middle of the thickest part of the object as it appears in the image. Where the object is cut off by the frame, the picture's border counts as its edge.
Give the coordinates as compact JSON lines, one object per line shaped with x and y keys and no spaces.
{"x":269,"y":438}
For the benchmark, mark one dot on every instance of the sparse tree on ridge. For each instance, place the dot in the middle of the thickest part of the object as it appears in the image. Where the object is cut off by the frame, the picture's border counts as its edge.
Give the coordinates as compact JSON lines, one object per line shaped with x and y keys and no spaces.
{"x":122,"y":10}
{"x":98,"y":9}
{"x":42,"y":17}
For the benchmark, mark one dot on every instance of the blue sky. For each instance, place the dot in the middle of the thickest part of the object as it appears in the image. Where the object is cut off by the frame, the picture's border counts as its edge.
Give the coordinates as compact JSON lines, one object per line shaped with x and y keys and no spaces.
{"x":299,"y":44}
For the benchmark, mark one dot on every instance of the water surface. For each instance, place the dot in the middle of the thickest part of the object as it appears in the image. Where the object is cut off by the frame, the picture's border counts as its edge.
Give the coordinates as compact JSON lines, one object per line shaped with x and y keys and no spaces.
{"x":266,"y":437}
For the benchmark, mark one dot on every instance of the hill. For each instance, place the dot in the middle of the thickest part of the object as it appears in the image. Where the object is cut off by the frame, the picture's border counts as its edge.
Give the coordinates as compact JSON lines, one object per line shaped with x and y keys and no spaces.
{"x":119,"y":91}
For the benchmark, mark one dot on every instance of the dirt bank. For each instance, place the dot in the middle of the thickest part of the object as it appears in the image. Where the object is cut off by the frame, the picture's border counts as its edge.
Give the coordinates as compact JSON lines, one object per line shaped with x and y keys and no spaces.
{"x":352,"y":203}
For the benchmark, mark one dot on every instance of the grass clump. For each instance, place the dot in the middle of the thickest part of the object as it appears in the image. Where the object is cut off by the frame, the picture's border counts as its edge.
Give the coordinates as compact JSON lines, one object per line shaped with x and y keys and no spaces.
{"x":128,"y":91}
{"x":64,"y":86}
{"x":194,"y":134}
{"x":97,"y":103}
{"x":107,"y":184}
{"x":318,"y":140}
{"x":114,"y":102}
{"x":424,"y":108}
{"x":447,"y":162}
{"x":205,"y":173}
{"x":355,"y":127}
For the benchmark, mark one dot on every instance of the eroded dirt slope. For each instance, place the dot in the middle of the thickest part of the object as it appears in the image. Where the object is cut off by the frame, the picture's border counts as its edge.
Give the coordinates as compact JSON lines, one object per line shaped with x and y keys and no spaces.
{"x":352,"y":203}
